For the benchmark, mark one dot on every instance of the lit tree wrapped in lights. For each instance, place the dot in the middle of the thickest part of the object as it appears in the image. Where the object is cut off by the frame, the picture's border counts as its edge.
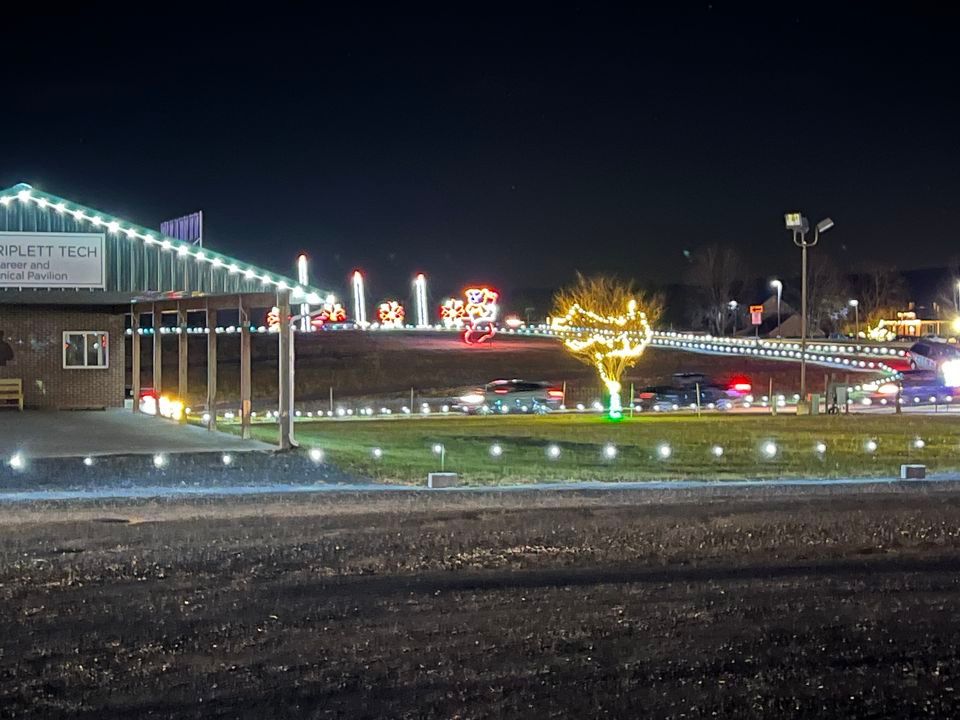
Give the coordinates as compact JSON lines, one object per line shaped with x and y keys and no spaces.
{"x":605,"y":324}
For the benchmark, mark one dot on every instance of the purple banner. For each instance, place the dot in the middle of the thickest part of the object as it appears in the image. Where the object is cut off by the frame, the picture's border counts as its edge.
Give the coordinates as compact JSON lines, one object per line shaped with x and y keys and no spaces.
{"x":188,"y":228}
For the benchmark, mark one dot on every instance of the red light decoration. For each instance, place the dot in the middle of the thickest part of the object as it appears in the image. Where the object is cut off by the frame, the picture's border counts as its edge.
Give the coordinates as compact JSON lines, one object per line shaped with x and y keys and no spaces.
{"x":391,"y":314}
{"x":329,"y":313}
{"x":480,"y":312}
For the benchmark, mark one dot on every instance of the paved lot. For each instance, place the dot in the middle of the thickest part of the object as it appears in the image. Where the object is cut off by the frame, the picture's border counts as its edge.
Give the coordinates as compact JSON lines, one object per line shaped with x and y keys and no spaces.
{"x":112,"y":432}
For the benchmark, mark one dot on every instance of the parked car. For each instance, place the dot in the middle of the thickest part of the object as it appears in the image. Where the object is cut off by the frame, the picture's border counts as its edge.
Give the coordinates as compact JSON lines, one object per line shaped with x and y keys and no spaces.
{"x":682,"y":393}
{"x":930,"y":355}
{"x":511,"y":396}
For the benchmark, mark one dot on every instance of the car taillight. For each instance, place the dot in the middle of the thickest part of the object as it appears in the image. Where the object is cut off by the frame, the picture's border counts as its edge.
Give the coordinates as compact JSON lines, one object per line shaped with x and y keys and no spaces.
{"x":555,"y":393}
{"x":501,"y":391}
{"x":741,"y":384}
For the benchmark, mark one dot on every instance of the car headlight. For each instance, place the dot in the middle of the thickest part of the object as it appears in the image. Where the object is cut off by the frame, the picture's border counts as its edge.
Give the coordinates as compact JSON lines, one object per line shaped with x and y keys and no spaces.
{"x":472,"y":398}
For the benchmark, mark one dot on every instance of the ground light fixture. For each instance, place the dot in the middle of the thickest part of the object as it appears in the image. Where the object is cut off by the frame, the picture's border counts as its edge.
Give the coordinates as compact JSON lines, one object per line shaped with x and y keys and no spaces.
{"x":769,"y":449}
{"x":870,"y":446}
{"x":495,"y":450}
{"x":919,"y":444}
{"x":820,"y":447}
{"x":159,"y":461}
{"x":717,"y":451}
{"x":88,"y":461}
{"x":437,"y":448}
{"x":664,"y":451}
{"x":17,"y":461}
{"x":553,"y":451}
{"x":315,"y":454}
{"x":226,"y":459}
{"x":609,"y":451}
{"x":377,"y":453}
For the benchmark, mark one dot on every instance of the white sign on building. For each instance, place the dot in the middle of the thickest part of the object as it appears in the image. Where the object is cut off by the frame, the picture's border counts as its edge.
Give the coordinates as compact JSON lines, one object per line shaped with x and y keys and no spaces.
{"x":52,"y":260}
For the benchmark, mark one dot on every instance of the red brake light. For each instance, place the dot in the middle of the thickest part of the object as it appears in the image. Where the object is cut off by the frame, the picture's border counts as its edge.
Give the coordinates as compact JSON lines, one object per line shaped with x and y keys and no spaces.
{"x":555,"y":393}
{"x":741,"y":384}
{"x":501,"y":391}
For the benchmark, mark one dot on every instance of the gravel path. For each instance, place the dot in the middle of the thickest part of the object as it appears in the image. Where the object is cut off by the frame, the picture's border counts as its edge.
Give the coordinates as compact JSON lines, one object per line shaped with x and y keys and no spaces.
{"x":801,"y":602}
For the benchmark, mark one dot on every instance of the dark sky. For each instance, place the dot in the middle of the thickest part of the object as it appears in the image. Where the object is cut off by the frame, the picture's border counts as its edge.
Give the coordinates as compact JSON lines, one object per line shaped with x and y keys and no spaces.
{"x":498,"y":143}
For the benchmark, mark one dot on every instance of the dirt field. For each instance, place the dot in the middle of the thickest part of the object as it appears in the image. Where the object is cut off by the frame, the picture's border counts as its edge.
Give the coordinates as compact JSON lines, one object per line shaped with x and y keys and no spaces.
{"x":802,"y":603}
{"x":357,"y":364}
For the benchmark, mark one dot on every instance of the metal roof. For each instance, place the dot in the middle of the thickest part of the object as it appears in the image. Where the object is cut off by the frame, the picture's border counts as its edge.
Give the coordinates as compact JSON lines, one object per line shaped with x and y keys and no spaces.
{"x":141,"y":264}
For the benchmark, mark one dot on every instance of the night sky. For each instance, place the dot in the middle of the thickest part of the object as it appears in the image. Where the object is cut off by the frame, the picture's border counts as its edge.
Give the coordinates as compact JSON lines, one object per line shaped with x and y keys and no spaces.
{"x":499,"y":144}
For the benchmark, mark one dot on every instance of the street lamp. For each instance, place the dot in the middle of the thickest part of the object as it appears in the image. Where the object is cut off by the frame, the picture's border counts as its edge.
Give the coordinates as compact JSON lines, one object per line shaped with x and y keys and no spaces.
{"x":779,"y":287}
{"x":733,"y":311}
{"x":799,"y":226}
{"x":855,"y":304}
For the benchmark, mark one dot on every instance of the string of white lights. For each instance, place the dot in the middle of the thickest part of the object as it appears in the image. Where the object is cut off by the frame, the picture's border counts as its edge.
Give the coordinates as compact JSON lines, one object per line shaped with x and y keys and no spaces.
{"x":117,"y":226}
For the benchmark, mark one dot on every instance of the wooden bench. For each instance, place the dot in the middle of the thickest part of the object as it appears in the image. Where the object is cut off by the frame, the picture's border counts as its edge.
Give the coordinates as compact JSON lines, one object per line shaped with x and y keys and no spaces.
{"x":11,"y":392}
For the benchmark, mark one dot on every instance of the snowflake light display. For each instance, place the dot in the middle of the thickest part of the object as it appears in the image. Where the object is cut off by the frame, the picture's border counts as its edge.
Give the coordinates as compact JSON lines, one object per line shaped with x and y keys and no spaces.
{"x":391,"y":314}
{"x":453,"y":314}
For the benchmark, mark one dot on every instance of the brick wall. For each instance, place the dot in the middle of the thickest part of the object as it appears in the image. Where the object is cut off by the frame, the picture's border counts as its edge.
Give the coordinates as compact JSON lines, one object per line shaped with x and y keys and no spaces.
{"x":31,"y":348}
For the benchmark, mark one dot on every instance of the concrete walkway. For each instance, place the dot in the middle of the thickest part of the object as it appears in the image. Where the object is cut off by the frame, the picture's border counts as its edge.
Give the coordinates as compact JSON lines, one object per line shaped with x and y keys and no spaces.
{"x":40,"y":434}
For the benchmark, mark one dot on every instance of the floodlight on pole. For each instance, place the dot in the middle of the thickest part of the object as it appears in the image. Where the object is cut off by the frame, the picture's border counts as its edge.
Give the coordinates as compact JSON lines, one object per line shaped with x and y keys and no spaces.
{"x":779,"y":287}
{"x":797,"y":224}
{"x":855,"y":304}
{"x":304,"y":278}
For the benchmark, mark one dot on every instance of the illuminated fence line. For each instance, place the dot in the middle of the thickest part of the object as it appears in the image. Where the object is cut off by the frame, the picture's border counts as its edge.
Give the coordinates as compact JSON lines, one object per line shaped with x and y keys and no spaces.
{"x":766,"y":450}
{"x":344,"y":412}
{"x":841,"y":356}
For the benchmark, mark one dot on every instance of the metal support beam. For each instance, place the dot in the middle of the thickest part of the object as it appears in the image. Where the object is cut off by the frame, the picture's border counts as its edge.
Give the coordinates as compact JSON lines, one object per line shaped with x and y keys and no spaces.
{"x":157,"y":356}
{"x":211,"y":369}
{"x":135,"y":352}
{"x":245,"y":378}
{"x":182,"y":354}
{"x":286,"y":373}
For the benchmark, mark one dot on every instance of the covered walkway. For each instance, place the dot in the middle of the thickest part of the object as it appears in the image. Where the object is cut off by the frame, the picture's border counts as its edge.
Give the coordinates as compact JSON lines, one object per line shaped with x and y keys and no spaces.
{"x":45,"y":434}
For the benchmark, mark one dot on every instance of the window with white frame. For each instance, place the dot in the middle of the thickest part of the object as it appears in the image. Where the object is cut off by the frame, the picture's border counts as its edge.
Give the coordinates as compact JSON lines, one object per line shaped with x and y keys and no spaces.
{"x":85,"y":349}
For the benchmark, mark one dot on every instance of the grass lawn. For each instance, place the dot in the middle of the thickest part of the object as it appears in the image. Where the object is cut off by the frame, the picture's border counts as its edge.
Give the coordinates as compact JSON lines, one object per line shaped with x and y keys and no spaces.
{"x":407,"y":453}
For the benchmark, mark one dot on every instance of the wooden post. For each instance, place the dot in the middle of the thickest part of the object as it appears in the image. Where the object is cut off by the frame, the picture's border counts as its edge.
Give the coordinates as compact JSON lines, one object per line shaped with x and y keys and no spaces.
{"x":245,"y":389}
{"x":182,"y":354}
{"x":211,"y":368}
{"x":157,"y":357}
{"x":285,"y":332}
{"x":135,"y":352}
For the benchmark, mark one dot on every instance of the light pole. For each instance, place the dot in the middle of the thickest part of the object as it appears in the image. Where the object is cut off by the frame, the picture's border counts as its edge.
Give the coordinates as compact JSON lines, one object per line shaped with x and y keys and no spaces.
{"x":855,"y":304}
{"x":958,"y":296}
{"x":799,"y":226}
{"x":779,"y":286}
{"x":733,"y":311}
